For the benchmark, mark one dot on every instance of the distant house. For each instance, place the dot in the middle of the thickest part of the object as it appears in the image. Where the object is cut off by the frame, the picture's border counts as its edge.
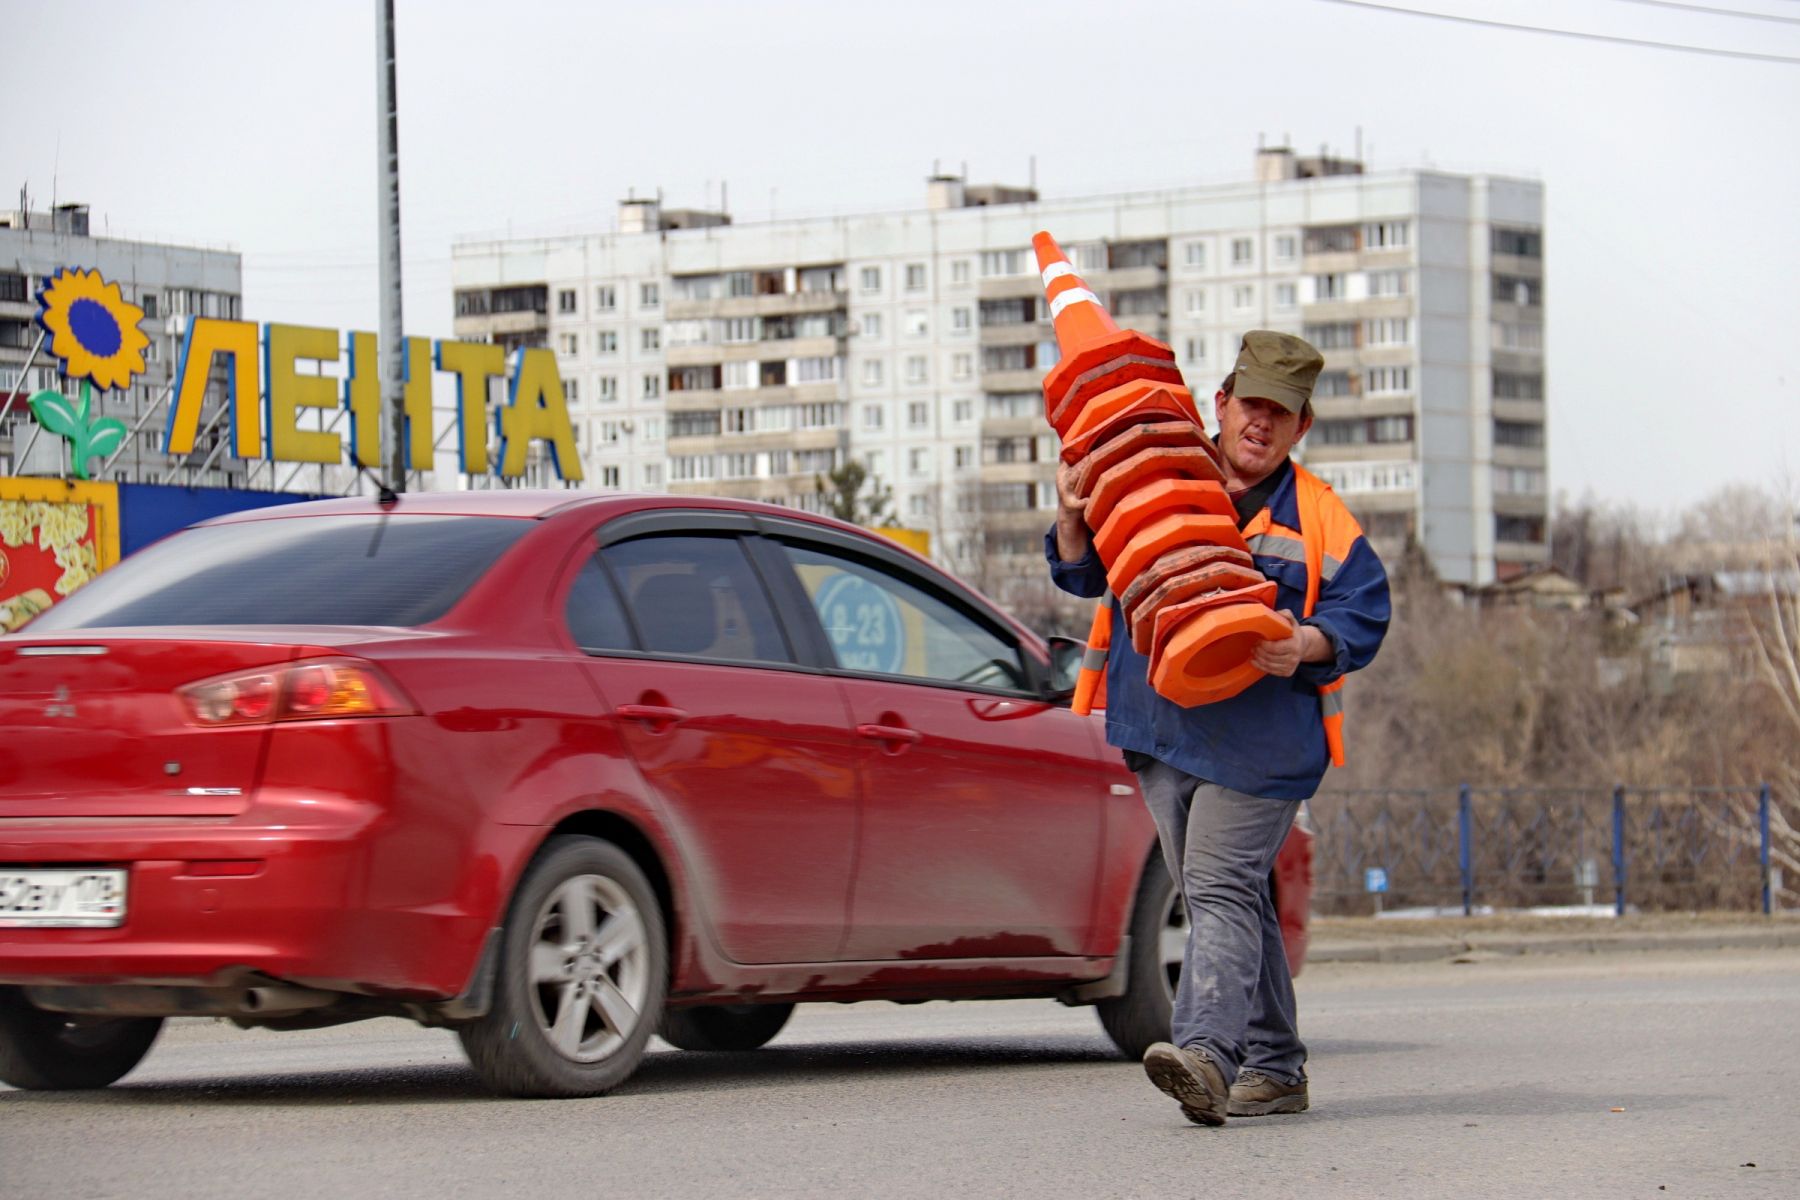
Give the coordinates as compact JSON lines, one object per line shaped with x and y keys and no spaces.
{"x":1542,"y":587}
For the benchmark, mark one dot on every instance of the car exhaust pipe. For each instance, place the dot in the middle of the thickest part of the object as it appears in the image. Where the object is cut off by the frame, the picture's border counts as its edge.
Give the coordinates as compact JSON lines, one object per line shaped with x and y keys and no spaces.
{"x":280,"y":1001}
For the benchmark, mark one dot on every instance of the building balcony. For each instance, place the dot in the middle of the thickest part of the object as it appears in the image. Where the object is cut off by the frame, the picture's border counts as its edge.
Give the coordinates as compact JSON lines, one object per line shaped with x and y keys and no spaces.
{"x":1010,"y":287}
{"x":1521,"y":504}
{"x":1360,"y":452}
{"x":1011,"y":427}
{"x":1130,"y":279}
{"x":1512,"y":264}
{"x":701,"y":399}
{"x":1519,"y":410}
{"x":1025,"y":333}
{"x":1521,"y":456}
{"x":1330,"y":262}
{"x":767,"y":351}
{"x":1385,"y":405}
{"x":751,"y":443}
{"x":777,"y":305}
{"x":1026,"y":380}
{"x":1018,"y":472}
{"x":491,"y":325}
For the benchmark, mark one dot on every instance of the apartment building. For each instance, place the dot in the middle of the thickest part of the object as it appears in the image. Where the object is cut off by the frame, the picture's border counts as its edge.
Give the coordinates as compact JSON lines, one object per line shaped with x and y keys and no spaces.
{"x":745,"y":360}
{"x":171,"y":284}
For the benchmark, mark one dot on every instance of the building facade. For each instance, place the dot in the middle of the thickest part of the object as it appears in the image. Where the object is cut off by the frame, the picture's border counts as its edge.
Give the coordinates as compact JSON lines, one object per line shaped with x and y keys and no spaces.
{"x":172,"y":284}
{"x":701,"y":356}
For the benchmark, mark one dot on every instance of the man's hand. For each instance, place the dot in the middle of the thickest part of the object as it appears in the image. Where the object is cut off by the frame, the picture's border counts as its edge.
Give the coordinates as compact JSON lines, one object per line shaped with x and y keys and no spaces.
{"x":1282,"y":657}
{"x":1072,"y":536}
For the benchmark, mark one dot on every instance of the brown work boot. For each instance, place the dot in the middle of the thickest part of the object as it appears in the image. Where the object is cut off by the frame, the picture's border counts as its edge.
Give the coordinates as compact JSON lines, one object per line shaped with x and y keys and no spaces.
{"x":1192,"y":1078}
{"x":1258,"y":1095}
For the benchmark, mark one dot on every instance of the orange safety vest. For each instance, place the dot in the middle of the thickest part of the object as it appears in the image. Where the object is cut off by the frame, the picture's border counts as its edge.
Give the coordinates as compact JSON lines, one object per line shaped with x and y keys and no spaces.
{"x":1324,"y":540}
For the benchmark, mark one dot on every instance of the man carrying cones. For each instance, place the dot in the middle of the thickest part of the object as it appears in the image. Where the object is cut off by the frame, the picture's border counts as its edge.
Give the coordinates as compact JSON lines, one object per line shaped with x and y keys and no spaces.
{"x":1224,"y":780}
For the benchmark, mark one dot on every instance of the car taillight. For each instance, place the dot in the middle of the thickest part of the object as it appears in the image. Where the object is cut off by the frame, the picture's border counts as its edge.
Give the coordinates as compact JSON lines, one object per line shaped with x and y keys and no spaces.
{"x":312,"y":690}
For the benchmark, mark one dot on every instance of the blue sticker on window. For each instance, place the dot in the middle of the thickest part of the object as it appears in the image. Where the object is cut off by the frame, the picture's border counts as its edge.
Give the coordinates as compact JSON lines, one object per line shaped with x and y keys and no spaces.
{"x":863,"y":623}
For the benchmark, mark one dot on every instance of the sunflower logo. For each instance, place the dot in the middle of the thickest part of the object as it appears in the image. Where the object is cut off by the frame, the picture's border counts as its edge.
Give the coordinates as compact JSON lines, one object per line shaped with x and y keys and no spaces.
{"x":94,"y":331}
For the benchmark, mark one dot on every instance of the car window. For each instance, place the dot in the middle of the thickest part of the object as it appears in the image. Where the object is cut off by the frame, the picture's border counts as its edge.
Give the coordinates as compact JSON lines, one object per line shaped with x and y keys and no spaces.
{"x":881,"y":622}
{"x":697,"y":596}
{"x":341,"y":570}
{"x":595,"y":615}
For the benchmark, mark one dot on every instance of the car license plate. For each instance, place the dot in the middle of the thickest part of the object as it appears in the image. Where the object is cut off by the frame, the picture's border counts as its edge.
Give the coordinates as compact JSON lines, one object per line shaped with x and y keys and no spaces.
{"x":79,"y":898}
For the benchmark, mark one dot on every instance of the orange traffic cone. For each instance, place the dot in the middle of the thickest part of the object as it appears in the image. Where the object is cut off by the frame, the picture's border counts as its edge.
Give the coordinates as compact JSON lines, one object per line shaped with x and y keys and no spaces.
{"x":1164,"y":527}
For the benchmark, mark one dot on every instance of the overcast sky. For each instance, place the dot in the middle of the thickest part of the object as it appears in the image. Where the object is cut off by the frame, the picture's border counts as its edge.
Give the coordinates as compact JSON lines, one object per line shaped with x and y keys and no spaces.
{"x":1672,"y":178}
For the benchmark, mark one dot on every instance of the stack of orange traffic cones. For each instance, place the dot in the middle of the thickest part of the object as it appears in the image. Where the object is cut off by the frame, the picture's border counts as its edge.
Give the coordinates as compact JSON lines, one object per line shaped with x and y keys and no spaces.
{"x":1192,"y":599}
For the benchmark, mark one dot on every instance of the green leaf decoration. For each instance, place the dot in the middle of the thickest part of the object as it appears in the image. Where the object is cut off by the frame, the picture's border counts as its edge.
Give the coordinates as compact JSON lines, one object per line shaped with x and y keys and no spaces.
{"x":81,"y":401}
{"x":54,"y":412}
{"x":104,"y":436}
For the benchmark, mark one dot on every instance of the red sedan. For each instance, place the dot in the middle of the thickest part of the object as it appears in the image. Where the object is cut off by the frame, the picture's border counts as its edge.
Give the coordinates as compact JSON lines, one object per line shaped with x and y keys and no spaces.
{"x":560,"y":772}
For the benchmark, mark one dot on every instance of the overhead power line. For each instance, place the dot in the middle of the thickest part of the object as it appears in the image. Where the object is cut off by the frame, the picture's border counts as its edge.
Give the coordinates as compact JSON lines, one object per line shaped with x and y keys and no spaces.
{"x":1718,"y":12}
{"x":1570,"y":33}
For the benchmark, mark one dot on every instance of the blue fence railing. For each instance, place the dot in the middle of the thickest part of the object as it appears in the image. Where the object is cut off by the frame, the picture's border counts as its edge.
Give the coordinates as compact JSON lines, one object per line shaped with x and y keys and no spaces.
{"x":1474,"y":847}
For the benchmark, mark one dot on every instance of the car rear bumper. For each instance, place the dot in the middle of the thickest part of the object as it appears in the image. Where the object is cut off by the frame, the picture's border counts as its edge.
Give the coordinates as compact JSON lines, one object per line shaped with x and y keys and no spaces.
{"x":209,"y":905}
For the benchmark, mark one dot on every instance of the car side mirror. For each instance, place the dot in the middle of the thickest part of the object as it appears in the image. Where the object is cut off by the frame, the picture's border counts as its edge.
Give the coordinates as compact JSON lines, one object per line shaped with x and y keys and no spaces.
{"x":1065,"y":665}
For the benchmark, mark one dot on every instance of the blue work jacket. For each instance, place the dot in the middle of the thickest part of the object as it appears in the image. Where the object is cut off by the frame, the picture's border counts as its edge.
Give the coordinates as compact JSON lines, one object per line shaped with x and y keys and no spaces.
{"x":1268,"y":740}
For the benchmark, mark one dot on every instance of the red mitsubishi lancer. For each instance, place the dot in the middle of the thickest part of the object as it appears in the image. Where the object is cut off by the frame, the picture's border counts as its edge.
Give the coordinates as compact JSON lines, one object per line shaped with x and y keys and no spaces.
{"x":560,"y":772}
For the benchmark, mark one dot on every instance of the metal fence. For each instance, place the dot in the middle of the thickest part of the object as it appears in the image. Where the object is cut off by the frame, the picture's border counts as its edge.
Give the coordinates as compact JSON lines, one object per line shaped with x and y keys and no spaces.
{"x":1475,"y":847}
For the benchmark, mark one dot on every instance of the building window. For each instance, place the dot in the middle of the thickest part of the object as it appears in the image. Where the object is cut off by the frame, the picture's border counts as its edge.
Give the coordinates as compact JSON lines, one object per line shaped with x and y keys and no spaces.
{"x":1243,"y":252}
{"x":962,"y":365}
{"x":962,"y":411}
{"x":871,"y":325}
{"x":609,"y":477}
{"x":1520,"y":243}
{"x":649,"y":295}
{"x":1243,"y":296}
{"x":1287,"y":296}
{"x":1328,"y":287}
{"x":915,"y":277}
{"x":737,"y":420}
{"x":1195,"y":301}
{"x":1518,"y":481}
{"x":739,"y":466}
{"x":1511,"y":289}
{"x":568,"y":344}
{"x":1518,"y":433}
{"x":1518,"y":335}
{"x":959,"y":271}
{"x":822,"y":369}
{"x":871,"y":279}
{"x":608,"y":386}
{"x":1387,"y":380}
{"x":918,"y":461}
{"x":918,"y":415}
{"x":1196,"y":351}
{"x":1387,"y":283}
{"x":606,"y":298}
{"x":651,"y":339}
{"x":652,"y":387}
{"x":1387,"y":331}
{"x":874,"y":416}
{"x":606,"y":341}
{"x":737,"y":376}
{"x":916,"y":371}
{"x":1002,"y":262}
{"x":1386,"y":235}
{"x":871,"y":372}
{"x":1332,"y":383}
{"x":917,"y":323}
{"x":1518,"y":529}
{"x":565,"y":300}
{"x":1195,"y":255}
{"x":571,"y":390}
{"x":1332,"y":335}
{"x":1286,"y":246}
{"x":827,"y":415}
{"x":147,"y":301}
{"x":962,"y":320}
{"x":740,"y":283}
{"x":653,"y":475}
{"x":1510,"y":385}
{"x":737,"y":330}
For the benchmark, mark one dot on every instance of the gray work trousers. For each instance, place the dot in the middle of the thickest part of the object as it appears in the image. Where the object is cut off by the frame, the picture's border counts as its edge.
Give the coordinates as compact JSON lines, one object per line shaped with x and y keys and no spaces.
{"x":1236,"y":996}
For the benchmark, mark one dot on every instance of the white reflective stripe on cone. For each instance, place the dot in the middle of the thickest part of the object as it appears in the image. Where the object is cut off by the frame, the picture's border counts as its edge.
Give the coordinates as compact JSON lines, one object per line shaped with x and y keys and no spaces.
{"x":1094,"y":658}
{"x":1057,"y":270}
{"x":1079,"y":295}
{"x":1332,"y":702}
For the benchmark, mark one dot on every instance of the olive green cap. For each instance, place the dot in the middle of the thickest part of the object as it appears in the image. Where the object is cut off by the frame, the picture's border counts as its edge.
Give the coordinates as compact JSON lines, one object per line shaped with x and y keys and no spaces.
{"x":1277,"y":366}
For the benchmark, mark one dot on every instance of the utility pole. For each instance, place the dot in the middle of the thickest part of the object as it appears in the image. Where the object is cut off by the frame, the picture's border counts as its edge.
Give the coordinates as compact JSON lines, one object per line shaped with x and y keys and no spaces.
{"x":391,"y":337}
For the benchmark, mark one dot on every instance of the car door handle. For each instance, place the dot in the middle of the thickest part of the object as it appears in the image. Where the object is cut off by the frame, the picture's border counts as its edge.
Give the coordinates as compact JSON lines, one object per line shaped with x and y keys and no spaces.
{"x":652,"y":714}
{"x":889,"y":733}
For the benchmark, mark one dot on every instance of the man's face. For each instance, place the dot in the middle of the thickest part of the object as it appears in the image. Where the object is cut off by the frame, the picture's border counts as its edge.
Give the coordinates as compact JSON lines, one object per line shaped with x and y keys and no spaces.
{"x":1255,"y":435}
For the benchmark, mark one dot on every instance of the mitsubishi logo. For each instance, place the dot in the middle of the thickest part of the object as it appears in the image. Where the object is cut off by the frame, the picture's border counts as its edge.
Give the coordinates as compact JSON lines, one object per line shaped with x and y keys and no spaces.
{"x":61,"y":706}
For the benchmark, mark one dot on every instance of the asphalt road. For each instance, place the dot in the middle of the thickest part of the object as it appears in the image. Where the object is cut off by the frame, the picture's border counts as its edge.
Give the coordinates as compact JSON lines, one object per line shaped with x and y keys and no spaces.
{"x":1665,"y":1074}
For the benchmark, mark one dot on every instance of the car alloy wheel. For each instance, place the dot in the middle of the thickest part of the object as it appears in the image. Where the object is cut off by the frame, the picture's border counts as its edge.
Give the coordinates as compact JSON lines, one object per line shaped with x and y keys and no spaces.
{"x":583,"y":971}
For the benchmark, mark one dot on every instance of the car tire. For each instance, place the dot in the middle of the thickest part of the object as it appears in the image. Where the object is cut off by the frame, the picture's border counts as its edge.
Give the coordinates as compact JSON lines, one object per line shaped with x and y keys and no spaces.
{"x":724,"y":1026}
{"x":43,"y":1051}
{"x":583,"y":971}
{"x":1142,"y":1015}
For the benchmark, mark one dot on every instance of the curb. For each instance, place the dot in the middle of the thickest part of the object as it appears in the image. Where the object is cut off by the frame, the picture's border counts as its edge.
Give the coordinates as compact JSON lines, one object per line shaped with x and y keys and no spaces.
{"x":1412,"y":950}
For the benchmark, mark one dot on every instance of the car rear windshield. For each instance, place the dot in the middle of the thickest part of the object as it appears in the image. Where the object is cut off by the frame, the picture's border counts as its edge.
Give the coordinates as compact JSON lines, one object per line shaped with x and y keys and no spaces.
{"x":343,"y":570}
